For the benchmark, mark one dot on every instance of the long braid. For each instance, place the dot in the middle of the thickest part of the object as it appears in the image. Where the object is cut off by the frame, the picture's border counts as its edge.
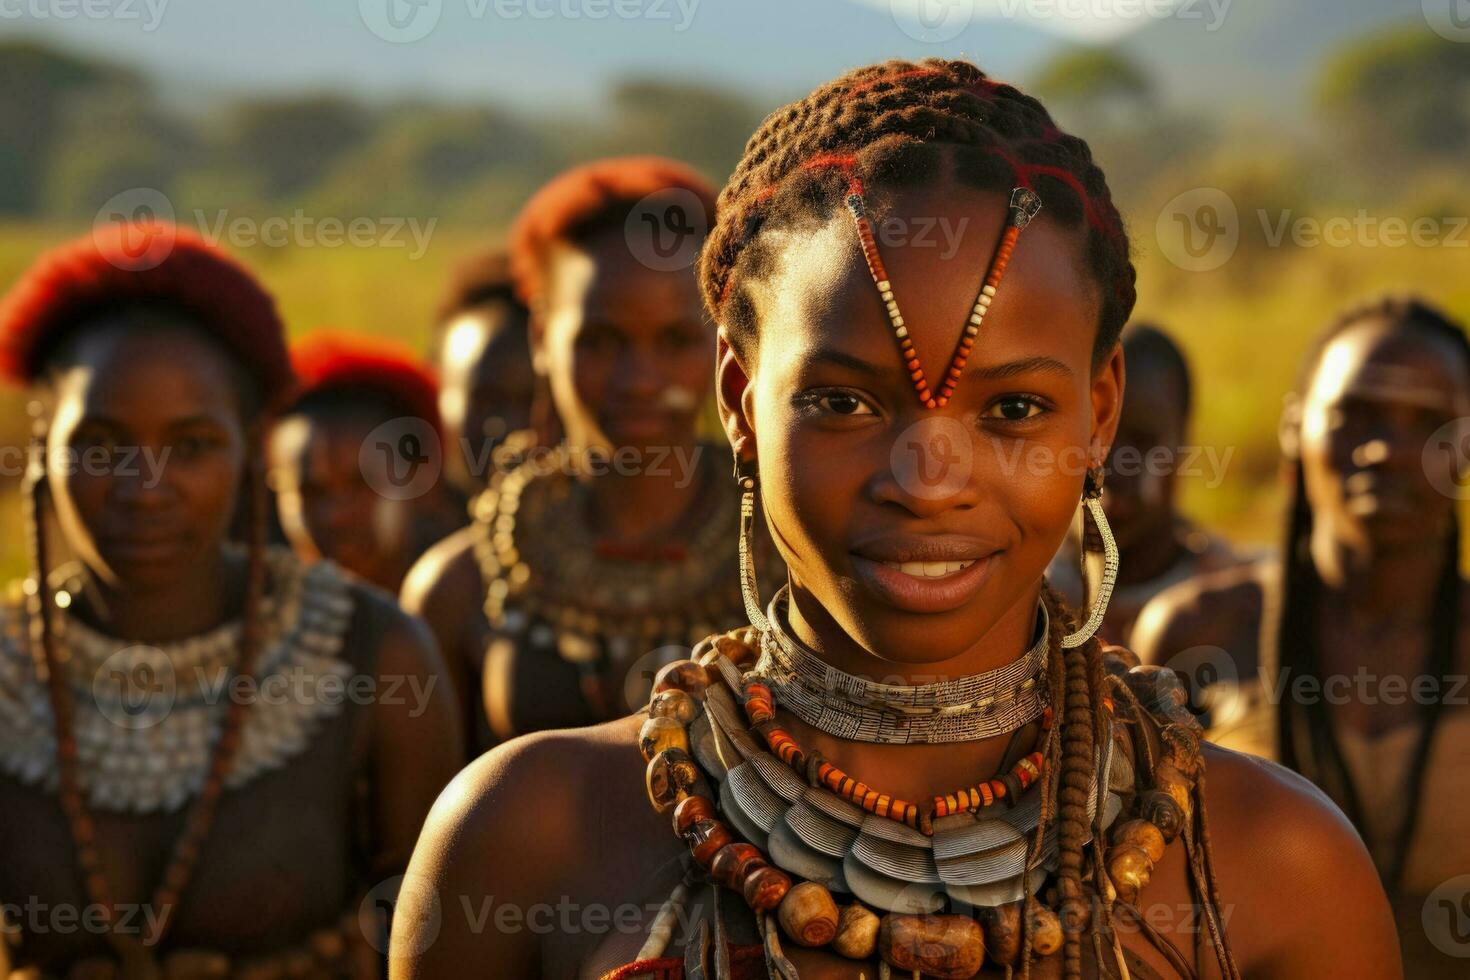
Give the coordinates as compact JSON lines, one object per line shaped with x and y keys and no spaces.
{"x":896,"y":123}
{"x":1082,"y":679}
{"x":1304,"y":735}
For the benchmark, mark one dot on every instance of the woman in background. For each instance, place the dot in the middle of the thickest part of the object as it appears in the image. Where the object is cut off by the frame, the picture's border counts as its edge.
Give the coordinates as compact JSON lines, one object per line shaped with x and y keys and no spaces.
{"x":616,"y":548}
{"x":200,"y":751}
{"x":1361,"y":624}
{"x":354,"y":460}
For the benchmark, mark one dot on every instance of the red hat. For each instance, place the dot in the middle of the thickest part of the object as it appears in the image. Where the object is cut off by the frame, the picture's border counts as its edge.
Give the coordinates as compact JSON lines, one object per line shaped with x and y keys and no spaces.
{"x":328,"y":360}
{"x":585,"y":195}
{"x":143,"y":262}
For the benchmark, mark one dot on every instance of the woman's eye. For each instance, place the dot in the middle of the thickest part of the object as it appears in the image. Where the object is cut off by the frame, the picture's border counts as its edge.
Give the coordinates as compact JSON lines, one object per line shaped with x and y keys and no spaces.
{"x":1015,"y":409}
{"x":844,"y":403}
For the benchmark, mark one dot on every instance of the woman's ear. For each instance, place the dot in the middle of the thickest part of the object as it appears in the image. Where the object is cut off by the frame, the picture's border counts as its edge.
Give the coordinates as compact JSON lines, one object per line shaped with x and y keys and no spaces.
{"x":735,"y":397}
{"x":1107,"y":402}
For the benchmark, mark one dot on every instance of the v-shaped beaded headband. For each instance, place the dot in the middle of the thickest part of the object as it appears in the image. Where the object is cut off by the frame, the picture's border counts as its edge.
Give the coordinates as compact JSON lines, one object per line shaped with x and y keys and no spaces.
{"x":1025,"y":205}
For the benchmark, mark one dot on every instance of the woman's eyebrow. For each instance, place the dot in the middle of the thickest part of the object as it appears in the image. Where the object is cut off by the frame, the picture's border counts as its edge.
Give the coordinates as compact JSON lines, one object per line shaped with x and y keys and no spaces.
{"x":1027,"y":365}
{"x":830,"y":355}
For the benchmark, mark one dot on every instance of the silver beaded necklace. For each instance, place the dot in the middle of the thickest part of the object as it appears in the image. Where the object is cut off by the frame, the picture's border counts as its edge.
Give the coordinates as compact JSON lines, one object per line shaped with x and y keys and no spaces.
{"x":965,"y":709}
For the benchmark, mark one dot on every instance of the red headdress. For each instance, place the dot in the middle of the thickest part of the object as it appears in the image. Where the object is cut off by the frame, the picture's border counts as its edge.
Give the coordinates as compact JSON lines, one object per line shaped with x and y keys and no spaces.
{"x":147,"y":263}
{"x":589,"y":195}
{"x":334,"y":360}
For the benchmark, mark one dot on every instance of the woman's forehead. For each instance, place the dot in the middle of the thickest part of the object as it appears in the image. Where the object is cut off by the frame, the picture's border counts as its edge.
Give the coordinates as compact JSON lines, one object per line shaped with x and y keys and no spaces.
{"x":937,"y":249}
{"x":1374,"y":362}
{"x":149,"y":369}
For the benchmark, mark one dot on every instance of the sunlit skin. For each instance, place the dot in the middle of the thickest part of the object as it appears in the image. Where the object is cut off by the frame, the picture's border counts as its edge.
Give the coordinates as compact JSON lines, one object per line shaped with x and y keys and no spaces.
{"x":831,"y":499}
{"x":486,"y":385}
{"x":626,"y":351}
{"x":160,"y":570}
{"x":327,"y":505}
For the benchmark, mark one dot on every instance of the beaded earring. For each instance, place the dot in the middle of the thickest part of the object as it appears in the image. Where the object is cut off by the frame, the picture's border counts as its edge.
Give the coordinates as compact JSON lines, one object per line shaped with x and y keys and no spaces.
{"x":746,"y":476}
{"x":1092,"y":489}
{"x":1025,"y":205}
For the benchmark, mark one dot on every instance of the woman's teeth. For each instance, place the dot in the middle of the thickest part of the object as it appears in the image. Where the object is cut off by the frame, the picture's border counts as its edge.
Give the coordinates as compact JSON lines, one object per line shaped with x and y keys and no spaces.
{"x":929,"y":569}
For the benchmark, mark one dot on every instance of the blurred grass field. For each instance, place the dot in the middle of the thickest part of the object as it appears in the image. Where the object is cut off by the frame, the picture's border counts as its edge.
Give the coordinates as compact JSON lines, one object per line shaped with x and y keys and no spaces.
{"x":1243,"y":325}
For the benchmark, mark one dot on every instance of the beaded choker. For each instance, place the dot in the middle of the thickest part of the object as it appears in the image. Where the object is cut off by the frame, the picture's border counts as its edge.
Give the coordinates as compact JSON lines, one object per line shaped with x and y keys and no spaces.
{"x":965,"y":709}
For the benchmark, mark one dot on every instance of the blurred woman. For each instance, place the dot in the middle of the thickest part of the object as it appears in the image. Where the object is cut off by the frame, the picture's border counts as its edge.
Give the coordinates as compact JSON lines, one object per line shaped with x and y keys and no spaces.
{"x":914,"y":760}
{"x":482,"y":355}
{"x":616,"y":548}
{"x":354,"y":460}
{"x":1157,"y":545}
{"x":1359,"y":629}
{"x":209,"y":752}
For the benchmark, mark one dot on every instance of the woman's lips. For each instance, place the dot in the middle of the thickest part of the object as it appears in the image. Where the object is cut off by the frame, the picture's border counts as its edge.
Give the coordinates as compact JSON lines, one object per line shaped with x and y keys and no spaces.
{"x":925,"y":586}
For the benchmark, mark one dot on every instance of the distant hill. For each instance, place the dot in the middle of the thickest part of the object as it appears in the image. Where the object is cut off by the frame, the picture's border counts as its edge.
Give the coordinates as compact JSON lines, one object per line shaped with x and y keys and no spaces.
{"x":1265,"y":54}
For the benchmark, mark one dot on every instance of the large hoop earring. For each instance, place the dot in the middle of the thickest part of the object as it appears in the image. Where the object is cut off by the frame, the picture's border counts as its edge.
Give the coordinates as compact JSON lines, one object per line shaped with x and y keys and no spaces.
{"x":745,"y":477}
{"x":1092,"y":500}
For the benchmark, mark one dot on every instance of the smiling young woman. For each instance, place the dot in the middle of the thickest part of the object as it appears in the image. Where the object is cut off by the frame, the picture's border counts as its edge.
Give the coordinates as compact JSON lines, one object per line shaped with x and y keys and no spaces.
{"x":181,"y":769}
{"x":914,"y":761}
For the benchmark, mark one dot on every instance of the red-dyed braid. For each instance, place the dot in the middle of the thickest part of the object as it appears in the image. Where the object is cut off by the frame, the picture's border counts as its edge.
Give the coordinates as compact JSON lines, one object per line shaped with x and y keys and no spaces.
{"x":899,"y":122}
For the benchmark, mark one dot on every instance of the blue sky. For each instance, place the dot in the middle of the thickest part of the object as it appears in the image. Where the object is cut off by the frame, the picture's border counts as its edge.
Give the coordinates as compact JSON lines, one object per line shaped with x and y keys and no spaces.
{"x":542,"y":50}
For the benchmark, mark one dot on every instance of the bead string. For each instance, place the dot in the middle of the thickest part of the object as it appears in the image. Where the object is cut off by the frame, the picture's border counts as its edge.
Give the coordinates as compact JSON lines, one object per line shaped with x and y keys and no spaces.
{"x":1024,"y":206}
{"x":760,"y":711}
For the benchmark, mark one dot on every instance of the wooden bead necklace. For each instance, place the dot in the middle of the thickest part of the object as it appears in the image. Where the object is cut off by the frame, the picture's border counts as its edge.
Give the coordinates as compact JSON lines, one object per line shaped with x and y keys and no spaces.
{"x":952,"y":946}
{"x":1025,"y":204}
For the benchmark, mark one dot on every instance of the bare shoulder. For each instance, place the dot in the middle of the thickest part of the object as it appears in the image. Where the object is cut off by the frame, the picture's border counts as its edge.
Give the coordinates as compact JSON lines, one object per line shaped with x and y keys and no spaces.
{"x":554,"y":813}
{"x":445,"y":576}
{"x":405,"y":644}
{"x":1296,"y":882}
{"x":1199,"y":609}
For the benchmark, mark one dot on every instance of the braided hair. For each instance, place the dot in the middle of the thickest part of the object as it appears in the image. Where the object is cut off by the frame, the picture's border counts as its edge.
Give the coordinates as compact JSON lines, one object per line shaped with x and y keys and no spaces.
{"x":901,"y":123}
{"x":1304,"y":735}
